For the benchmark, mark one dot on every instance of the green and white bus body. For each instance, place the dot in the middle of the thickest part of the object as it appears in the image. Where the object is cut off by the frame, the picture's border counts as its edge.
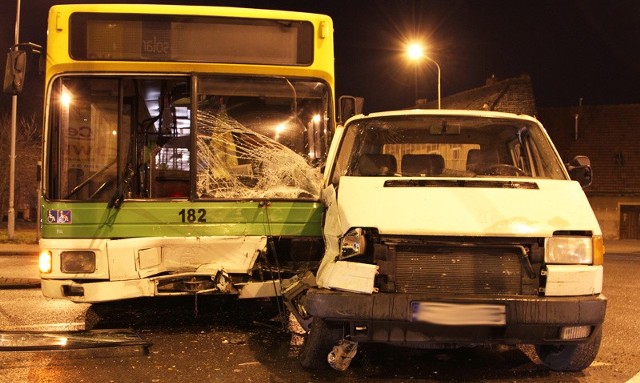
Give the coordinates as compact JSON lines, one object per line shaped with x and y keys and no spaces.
{"x":183,"y":149}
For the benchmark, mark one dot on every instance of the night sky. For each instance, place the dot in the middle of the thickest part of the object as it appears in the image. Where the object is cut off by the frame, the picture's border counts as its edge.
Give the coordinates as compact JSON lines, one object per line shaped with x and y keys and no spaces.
{"x":571,"y":49}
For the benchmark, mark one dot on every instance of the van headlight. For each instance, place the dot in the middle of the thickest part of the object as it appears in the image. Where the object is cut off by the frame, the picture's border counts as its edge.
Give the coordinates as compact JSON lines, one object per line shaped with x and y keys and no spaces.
{"x":569,"y":250}
{"x":352,"y":244}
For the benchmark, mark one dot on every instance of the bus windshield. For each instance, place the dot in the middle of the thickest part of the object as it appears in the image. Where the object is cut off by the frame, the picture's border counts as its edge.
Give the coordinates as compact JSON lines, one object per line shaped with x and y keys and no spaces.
{"x":147,"y":137}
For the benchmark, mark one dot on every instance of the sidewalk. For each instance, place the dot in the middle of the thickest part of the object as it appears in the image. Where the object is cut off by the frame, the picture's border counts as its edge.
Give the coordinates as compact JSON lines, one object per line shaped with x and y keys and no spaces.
{"x":18,"y":249}
{"x":622,"y":246}
{"x":27,"y":276}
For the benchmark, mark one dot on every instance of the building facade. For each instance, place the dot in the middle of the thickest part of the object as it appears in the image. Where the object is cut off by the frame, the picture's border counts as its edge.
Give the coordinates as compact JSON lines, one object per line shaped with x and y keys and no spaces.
{"x":609,"y":135}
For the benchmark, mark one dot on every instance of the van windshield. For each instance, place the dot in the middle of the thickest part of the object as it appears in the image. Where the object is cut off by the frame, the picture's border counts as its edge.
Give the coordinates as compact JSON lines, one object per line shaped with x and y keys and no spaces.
{"x":446,"y":146}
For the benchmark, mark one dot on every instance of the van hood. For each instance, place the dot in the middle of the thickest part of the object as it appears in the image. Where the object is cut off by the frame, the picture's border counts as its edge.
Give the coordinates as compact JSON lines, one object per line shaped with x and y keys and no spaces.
{"x":464,"y":207}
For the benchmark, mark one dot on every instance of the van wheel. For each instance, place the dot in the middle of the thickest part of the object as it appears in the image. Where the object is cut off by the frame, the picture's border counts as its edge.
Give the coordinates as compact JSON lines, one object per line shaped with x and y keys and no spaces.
{"x":570,"y":357}
{"x":322,"y":336}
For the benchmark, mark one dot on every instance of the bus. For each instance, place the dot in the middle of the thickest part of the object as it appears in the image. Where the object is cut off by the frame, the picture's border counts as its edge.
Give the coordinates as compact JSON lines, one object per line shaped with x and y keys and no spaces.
{"x":182,"y":150}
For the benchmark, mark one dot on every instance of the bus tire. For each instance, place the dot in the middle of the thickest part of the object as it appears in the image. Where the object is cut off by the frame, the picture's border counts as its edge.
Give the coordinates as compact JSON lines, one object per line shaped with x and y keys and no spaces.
{"x":570,"y":357}
{"x":322,"y":336}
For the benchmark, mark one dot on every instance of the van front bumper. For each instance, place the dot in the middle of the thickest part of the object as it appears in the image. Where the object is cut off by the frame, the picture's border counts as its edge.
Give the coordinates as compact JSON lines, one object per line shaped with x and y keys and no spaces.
{"x":391,"y":317}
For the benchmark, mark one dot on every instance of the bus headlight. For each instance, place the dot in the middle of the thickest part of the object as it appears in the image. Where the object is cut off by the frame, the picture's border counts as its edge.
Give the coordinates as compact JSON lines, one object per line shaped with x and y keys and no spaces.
{"x":352,"y":244}
{"x":569,"y":250}
{"x":74,"y":262}
{"x":44,"y":262}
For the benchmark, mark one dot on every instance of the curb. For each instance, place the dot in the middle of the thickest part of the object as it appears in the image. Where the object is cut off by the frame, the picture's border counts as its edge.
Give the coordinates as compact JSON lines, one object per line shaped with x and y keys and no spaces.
{"x":19,"y":283}
{"x":19,"y":249}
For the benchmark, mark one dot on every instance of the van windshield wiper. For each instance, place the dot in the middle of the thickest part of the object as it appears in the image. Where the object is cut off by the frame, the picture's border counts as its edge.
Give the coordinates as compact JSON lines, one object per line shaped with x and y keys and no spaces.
{"x":413,"y":182}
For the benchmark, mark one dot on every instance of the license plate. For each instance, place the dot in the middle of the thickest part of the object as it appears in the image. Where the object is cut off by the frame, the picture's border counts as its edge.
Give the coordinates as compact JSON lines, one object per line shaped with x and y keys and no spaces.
{"x":459,"y":314}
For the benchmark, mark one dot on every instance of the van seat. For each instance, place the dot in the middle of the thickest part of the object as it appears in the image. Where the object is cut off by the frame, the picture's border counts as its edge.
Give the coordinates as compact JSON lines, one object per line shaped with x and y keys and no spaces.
{"x":479,"y":159}
{"x":422,"y":164}
{"x":377,"y":165}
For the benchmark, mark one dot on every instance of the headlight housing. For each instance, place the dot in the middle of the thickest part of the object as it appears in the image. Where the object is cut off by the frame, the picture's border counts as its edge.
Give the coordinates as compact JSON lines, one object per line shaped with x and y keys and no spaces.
{"x":352,"y":244}
{"x":569,"y":250}
{"x":77,"y":262}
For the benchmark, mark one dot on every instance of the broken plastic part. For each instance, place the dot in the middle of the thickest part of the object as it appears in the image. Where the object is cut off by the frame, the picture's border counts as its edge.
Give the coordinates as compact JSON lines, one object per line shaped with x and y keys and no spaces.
{"x":342,"y":354}
{"x":32,"y":341}
{"x":293,"y":294}
{"x":223,"y":282}
{"x":352,"y":276}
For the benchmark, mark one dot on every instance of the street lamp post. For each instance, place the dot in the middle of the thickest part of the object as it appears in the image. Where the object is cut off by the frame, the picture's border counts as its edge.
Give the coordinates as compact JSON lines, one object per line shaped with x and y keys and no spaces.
{"x":437,"y":66}
{"x":11,"y":213}
{"x":415,"y":52}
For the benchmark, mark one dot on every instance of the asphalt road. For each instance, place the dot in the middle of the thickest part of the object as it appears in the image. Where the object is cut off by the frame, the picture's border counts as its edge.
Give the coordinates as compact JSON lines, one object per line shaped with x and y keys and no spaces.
{"x":244,"y":341}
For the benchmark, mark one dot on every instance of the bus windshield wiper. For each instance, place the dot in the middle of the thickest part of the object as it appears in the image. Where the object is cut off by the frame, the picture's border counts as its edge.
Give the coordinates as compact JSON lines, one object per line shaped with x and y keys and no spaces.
{"x":118,"y":198}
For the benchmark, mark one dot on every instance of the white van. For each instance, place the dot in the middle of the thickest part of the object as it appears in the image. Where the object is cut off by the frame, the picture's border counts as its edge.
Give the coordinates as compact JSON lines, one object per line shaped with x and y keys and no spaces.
{"x":455,"y":228}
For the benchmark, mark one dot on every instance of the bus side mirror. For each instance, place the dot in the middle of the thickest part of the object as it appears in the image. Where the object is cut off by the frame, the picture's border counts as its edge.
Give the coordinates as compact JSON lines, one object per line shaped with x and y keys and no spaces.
{"x":349,"y":106}
{"x":579,"y":169}
{"x":14,"y":73}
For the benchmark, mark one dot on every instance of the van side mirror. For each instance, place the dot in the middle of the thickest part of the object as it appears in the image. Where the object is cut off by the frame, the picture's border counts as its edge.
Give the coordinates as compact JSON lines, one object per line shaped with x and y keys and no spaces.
{"x":14,"y":72}
{"x":349,"y":106}
{"x":579,"y":169}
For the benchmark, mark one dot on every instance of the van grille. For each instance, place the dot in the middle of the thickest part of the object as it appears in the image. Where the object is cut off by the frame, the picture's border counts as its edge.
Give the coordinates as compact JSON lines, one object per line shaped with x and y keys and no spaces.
{"x":451,"y":270}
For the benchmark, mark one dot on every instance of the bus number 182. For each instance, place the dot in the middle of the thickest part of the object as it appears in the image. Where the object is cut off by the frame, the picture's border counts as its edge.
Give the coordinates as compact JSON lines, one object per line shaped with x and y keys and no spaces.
{"x":193,"y":215}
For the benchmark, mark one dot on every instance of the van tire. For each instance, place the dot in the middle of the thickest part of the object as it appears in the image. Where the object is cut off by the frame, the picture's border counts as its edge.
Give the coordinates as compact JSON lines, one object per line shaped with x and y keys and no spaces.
{"x":570,"y":357}
{"x":322,"y":336}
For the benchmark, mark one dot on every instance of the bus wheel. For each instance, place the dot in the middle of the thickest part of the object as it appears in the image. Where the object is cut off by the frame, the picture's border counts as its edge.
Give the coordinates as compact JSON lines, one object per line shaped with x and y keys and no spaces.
{"x":570,"y":357}
{"x":322,"y":336}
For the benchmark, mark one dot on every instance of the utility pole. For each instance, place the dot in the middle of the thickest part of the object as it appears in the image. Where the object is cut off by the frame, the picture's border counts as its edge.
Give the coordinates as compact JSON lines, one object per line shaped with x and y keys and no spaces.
{"x":11,"y":213}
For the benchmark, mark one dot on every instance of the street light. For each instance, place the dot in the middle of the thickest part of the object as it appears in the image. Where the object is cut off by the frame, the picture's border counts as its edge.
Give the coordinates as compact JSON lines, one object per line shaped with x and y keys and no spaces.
{"x":415,"y":51}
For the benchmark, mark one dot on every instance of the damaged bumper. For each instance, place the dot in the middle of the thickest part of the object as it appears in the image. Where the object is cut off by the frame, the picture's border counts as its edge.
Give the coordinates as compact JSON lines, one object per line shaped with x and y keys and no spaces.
{"x":411,"y":318}
{"x":105,"y":291}
{"x":148,"y":267}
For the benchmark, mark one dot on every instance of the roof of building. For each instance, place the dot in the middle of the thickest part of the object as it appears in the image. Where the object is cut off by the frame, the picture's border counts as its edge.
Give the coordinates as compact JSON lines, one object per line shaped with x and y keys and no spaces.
{"x":608,"y":134}
{"x":513,"y":95}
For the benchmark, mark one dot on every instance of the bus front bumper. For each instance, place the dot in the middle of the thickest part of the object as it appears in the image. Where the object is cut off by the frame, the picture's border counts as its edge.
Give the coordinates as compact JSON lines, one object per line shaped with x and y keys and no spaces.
{"x":94,"y":292}
{"x":106,"y":291}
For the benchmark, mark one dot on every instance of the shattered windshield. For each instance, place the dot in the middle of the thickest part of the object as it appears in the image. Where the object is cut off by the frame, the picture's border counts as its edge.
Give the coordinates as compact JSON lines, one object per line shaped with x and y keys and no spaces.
{"x":115,"y":138}
{"x":266,"y":139}
{"x":446,"y":146}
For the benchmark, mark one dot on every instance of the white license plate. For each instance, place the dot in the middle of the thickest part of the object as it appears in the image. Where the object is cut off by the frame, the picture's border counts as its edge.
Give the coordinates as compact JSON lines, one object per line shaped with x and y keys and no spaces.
{"x":459,"y":314}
